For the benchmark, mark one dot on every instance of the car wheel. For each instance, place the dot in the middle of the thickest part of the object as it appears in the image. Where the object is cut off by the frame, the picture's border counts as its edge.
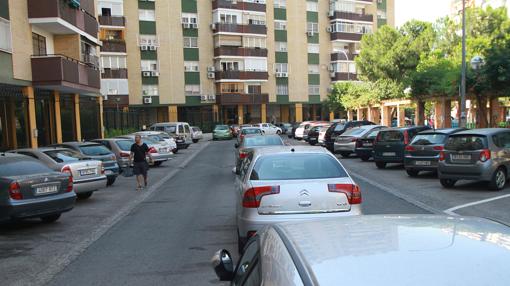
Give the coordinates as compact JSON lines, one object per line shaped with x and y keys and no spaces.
{"x":175,"y":150}
{"x":195,"y":140}
{"x":278,"y":132}
{"x":498,"y":180}
{"x":412,"y":173}
{"x":84,"y":196}
{"x":50,"y":218}
{"x":110,"y":181}
{"x":345,"y":154}
{"x":240,"y":243}
{"x":364,"y":158}
{"x":312,"y":143}
{"x":380,"y":165}
{"x":158,"y":163}
{"x":447,"y":183}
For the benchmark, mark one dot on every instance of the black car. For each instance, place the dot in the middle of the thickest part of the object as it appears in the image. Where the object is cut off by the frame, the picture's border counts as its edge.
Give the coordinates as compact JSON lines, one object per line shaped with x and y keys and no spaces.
{"x":338,"y":128}
{"x":422,"y":154}
{"x":365,"y":146}
{"x":390,"y":144}
{"x":295,"y":126}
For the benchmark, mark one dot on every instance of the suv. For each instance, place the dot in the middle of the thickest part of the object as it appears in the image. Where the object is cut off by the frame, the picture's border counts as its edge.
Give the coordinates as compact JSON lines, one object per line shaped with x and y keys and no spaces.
{"x":478,"y":155}
{"x":390,"y":144}
{"x":180,"y":131}
{"x":338,"y":128}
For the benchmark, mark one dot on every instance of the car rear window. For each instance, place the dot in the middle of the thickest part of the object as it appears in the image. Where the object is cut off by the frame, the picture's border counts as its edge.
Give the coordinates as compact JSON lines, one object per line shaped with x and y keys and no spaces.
{"x":19,"y":166}
{"x":354,"y":131}
{"x":156,"y":138}
{"x":170,"y":129}
{"x":339,"y":127}
{"x":95,"y":150}
{"x":429,"y":139}
{"x":63,"y":156}
{"x":262,"y":141}
{"x":251,"y":131}
{"x":466,"y":142}
{"x":125,"y":145}
{"x":221,"y":127}
{"x":297,"y":167}
{"x":389,"y":136}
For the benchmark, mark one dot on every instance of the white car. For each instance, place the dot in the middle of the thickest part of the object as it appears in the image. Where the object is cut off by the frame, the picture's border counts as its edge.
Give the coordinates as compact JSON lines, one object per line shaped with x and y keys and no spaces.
{"x":268,"y":128}
{"x":289,"y":183}
{"x":159,"y":136}
{"x":301,"y":130}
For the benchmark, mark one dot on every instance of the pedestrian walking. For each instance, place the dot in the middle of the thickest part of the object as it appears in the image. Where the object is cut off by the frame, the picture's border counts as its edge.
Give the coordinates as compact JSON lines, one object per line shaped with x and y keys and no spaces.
{"x":138,"y":157}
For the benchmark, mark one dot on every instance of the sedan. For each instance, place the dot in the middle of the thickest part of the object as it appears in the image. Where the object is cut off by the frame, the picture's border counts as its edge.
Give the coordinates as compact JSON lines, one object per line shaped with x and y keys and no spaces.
{"x":346,"y":143}
{"x":222,"y":132}
{"x":254,"y":141}
{"x":248,"y":131}
{"x":160,"y":151}
{"x":88,"y":175}
{"x":31,"y":189}
{"x":278,"y":184}
{"x":387,"y":250}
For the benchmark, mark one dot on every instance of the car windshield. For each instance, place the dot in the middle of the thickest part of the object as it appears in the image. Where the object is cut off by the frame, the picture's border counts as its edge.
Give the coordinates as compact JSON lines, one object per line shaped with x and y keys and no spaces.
{"x":149,"y":141}
{"x":195,"y":129}
{"x":354,"y":131}
{"x":19,"y":166}
{"x":262,"y":141}
{"x":251,"y":131}
{"x":94,"y":150}
{"x":429,"y":139}
{"x":466,"y":142}
{"x":63,"y":156}
{"x":339,"y":127}
{"x":125,"y":145}
{"x":373,"y":134}
{"x":389,"y":136}
{"x":221,"y":127}
{"x":297,"y":167}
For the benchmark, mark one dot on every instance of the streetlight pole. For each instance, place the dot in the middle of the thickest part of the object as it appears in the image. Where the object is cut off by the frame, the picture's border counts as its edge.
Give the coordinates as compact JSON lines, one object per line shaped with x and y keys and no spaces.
{"x":462,"y":119}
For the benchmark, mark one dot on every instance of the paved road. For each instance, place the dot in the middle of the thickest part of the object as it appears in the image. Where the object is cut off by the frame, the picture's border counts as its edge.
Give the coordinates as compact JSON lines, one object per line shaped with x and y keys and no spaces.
{"x":169,"y":238}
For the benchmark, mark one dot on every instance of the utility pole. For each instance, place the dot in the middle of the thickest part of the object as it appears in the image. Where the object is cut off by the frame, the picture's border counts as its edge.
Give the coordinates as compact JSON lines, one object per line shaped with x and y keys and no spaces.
{"x":462,"y":119}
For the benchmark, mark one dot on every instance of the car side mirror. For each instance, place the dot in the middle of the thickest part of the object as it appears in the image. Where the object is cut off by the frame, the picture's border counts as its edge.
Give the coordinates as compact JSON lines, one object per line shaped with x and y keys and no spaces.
{"x":236,"y":145}
{"x":223,"y":265}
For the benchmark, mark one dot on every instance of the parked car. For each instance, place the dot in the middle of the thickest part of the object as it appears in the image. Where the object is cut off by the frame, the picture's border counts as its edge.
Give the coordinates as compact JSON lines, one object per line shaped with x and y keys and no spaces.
{"x":395,"y":250}
{"x":161,"y":136}
{"x":477,"y":155}
{"x":120,"y":147}
{"x":96,"y":151}
{"x":248,"y":131}
{"x":285,"y":127}
{"x":222,"y":132}
{"x":312,"y":125}
{"x":346,"y":143}
{"x":422,"y":154}
{"x":322,"y":135}
{"x":196,"y":134}
{"x":31,"y":189}
{"x":160,"y":151}
{"x":268,"y":128}
{"x":180,"y":131}
{"x":88,"y":175}
{"x":338,"y":128}
{"x":300,"y":130}
{"x":389,"y":145}
{"x":278,"y":184}
{"x":295,"y":126}
{"x":365,"y":146}
{"x":254,"y":141}
{"x":314,"y":133}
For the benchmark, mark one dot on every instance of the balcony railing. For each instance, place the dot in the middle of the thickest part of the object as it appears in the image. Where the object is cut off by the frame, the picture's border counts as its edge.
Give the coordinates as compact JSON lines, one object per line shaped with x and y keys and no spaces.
{"x":346,"y":36}
{"x":241,"y":98}
{"x":240,"y":51}
{"x":239,"y":5}
{"x":117,"y":21}
{"x":341,"y":57}
{"x":343,"y":76}
{"x":353,"y":16}
{"x":242,"y":75}
{"x":237,"y":28}
{"x":116,"y":46}
{"x":64,"y":73}
{"x":45,"y":10}
{"x":114,"y":73}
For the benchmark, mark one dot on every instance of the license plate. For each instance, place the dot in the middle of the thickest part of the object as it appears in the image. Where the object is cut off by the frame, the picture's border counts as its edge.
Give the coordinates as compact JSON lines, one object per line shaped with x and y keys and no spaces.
{"x":313,"y":139}
{"x":179,"y":141}
{"x":368,"y":144}
{"x":46,"y":190}
{"x":87,"y":172}
{"x":163,"y":150}
{"x":422,"y":163}
{"x":460,"y":157}
{"x":108,"y":172}
{"x":389,"y":154}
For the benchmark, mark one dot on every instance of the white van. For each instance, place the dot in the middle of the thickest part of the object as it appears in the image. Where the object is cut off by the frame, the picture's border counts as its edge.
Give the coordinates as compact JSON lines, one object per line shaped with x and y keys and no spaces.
{"x":180,"y":131}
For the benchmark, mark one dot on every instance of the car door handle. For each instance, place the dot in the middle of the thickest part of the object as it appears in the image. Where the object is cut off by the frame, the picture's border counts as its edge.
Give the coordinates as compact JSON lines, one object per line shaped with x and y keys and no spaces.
{"x":305,"y":203}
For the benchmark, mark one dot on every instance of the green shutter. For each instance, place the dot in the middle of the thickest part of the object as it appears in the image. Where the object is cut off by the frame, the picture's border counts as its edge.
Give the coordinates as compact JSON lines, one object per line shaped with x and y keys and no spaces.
{"x":312,"y":17}
{"x":313,"y":59}
{"x":189,"y":6}
{"x":280,"y":36}
{"x":280,"y":14}
{"x":147,"y":28}
{"x":313,"y":39}
{"x":193,"y":100}
{"x":282,"y":80}
{"x":314,"y":98}
{"x":4,"y":9}
{"x":150,"y":80}
{"x":282,"y":99}
{"x":190,"y":32}
{"x":149,"y":55}
{"x":191,"y":54}
{"x":192,"y":78}
{"x":314,"y":79}
{"x":146,"y":5}
{"x":281,"y":57}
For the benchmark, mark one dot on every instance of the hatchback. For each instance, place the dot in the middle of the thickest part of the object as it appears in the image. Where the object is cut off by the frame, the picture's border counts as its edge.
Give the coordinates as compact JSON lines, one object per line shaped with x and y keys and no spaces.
{"x":422,"y":154}
{"x":248,"y":131}
{"x":477,"y":155}
{"x":389,"y":145}
{"x":346,"y":143}
{"x":120,"y":147}
{"x":365,"y":145}
{"x":278,"y":184}
{"x":222,"y":132}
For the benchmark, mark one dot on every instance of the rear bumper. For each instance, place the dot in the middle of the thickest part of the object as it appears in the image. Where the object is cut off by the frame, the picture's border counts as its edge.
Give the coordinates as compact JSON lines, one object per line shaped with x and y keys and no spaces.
{"x":222,"y":136}
{"x":476,"y":172}
{"x":89,"y":185}
{"x":340,"y":147}
{"x":49,"y":205}
{"x":112,"y":171}
{"x":410,"y":163}
{"x":162,"y":157}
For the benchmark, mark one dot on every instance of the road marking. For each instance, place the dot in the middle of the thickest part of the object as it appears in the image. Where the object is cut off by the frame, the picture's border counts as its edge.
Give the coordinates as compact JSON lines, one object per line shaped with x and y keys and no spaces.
{"x":451,"y":211}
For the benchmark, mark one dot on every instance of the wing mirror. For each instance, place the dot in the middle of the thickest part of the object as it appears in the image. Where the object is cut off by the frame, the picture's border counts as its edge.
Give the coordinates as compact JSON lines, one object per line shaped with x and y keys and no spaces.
{"x":223,"y":265}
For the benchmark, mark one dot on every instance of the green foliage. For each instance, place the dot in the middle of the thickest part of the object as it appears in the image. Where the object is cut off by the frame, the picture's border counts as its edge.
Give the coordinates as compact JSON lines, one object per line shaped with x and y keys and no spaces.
{"x":110,"y":133}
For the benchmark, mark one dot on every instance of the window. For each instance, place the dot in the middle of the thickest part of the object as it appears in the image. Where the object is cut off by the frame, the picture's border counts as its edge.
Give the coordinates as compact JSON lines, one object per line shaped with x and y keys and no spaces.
{"x":313,"y":69}
{"x":501,"y":140}
{"x":256,"y":19}
{"x":281,"y":67}
{"x":357,"y":28}
{"x":110,"y":35}
{"x":148,"y":40}
{"x":314,"y":90}
{"x":312,"y":27}
{"x":280,"y":3}
{"x":254,"y":89}
{"x":231,"y":88}
{"x":149,"y":65}
{"x":190,"y":42}
{"x":110,"y":8}
{"x":313,"y":48}
{"x":114,"y":86}
{"x":281,"y":46}
{"x":113,"y":62}
{"x":248,"y":266}
{"x":191,"y":66}
{"x":229,"y":66}
{"x":344,"y":67}
{"x":146,"y":15}
{"x":280,"y":25}
{"x":192,"y":89}
{"x":255,"y":64}
{"x":189,"y":18}
{"x":5,"y":35}
{"x":254,"y":42}
{"x":228,"y":18}
{"x":150,"y":90}
{"x":312,"y":6}
{"x":38,"y":44}
{"x":282,"y":89}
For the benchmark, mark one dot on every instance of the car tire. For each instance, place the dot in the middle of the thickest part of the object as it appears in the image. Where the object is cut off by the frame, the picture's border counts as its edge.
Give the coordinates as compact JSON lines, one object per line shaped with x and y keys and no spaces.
{"x":364,"y":158}
{"x":158,"y":163}
{"x":380,"y":165}
{"x":412,"y":173}
{"x":84,"y":196}
{"x":498,"y":181}
{"x":447,"y":183}
{"x":278,"y":132}
{"x":195,"y":140}
{"x":110,"y":181}
{"x":50,"y":218}
{"x":345,"y":154}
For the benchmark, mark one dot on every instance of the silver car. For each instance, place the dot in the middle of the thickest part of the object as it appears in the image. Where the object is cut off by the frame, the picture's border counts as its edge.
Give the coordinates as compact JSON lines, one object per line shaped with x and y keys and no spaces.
{"x":346,"y":143}
{"x":88,"y":175}
{"x":161,"y":137}
{"x":288,"y":183}
{"x":120,"y":147}
{"x":160,"y":151}
{"x":382,"y":250}
{"x":479,"y":155}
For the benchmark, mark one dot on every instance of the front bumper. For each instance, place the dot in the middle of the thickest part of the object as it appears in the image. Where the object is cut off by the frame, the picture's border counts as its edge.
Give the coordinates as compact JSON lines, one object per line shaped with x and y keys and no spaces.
{"x":476,"y":172}
{"x":89,"y":185}
{"x":222,"y":136}
{"x":38,"y":207}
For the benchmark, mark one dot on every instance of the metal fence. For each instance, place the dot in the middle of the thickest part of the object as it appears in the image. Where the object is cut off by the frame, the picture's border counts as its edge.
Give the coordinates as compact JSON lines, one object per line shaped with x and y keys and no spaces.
{"x":120,"y":121}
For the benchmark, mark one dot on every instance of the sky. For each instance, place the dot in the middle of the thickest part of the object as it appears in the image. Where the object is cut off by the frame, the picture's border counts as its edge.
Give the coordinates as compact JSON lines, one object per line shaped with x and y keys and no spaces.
{"x":428,"y":10}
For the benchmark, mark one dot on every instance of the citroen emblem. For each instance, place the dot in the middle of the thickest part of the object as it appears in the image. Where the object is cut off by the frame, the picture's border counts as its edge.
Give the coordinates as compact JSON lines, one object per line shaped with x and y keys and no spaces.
{"x":304,"y":193}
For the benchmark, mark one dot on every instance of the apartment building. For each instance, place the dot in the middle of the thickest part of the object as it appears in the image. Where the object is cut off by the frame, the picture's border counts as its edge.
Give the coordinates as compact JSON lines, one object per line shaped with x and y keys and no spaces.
{"x":232,"y":61}
{"x":456,"y":5}
{"x":49,"y":75}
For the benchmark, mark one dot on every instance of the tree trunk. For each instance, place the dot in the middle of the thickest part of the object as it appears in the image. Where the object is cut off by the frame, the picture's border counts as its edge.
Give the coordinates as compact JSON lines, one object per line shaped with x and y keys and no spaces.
{"x":481,"y":112}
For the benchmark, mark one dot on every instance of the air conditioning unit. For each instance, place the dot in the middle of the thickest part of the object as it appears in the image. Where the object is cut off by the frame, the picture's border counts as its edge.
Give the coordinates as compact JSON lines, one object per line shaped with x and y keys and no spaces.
{"x":186,"y":25}
{"x":329,"y":29}
{"x":146,"y":73}
{"x":194,"y":26}
{"x":282,"y":74}
{"x":211,"y":97}
{"x":145,"y":92}
{"x":310,"y":33}
{"x":147,"y":100}
{"x":203,"y":98}
{"x":154,"y":73}
{"x":143,"y":48}
{"x":153,"y":48}
{"x":213,"y":26}
{"x":332,"y":74}
{"x":211,"y":69}
{"x":330,"y":68}
{"x":210,"y":75}
{"x":331,"y":13}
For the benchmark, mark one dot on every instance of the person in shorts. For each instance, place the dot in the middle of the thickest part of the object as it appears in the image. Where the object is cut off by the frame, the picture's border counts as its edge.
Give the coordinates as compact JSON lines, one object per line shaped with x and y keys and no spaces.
{"x":139,"y":153}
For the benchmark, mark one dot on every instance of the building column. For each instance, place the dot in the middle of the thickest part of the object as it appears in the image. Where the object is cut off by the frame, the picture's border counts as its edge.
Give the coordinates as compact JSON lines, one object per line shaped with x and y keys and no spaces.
{"x":263,"y":113}
{"x":215,"y":109}
{"x":58,"y":118}
{"x":350,"y":116}
{"x":28,"y":92}
{"x":240,"y":114}
{"x":443,"y":109}
{"x":497,"y":112}
{"x":77,"y":118}
{"x":359,"y":114}
{"x":419,"y":117}
{"x":375,"y":115}
{"x":401,"y":116}
{"x":299,"y":112}
{"x":386,"y":115}
{"x":331,"y":116}
{"x":11,"y":128}
{"x":101,"y":119}
{"x":284,"y":113}
{"x":172,"y":113}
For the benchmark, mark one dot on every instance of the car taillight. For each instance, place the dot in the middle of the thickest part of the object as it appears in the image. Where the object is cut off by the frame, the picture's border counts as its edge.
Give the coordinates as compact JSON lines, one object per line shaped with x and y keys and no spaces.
{"x":243,"y":155}
{"x":70,"y":184}
{"x":352,"y":192}
{"x":15,"y":191}
{"x":438,"y":148}
{"x":152,"y":150}
{"x":406,"y":137}
{"x":251,"y":233}
{"x":253,"y":196}
{"x":410,"y":148}
{"x":485,"y":155}
{"x":66,"y":169}
{"x":442,"y":156}
{"x":124,"y":155}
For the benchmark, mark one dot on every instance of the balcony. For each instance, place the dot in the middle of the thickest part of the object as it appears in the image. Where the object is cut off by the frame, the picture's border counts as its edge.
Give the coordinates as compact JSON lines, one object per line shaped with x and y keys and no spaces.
{"x":114,"y":46}
{"x":240,"y":52}
{"x":114,"y":73}
{"x":340,"y":15}
{"x":65,"y":74}
{"x":241,"y":98}
{"x":115,"y":21}
{"x":239,"y":5}
{"x":240,"y":29}
{"x":346,"y":36}
{"x":241,"y":75}
{"x":57,"y":17}
{"x":344,"y":76}
{"x":341,"y":57}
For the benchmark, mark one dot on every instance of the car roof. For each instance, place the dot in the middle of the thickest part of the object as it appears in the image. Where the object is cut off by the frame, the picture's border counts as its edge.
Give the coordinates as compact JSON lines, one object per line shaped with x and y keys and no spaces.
{"x":78,"y":143}
{"x":482,"y":131}
{"x":169,"y":123}
{"x":12,"y":155}
{"x":403,"y":128}
{"x":446,"y":131}
{"x":290,"y":149}
{"x":402,"y":250}
{"x":42,"y":149}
